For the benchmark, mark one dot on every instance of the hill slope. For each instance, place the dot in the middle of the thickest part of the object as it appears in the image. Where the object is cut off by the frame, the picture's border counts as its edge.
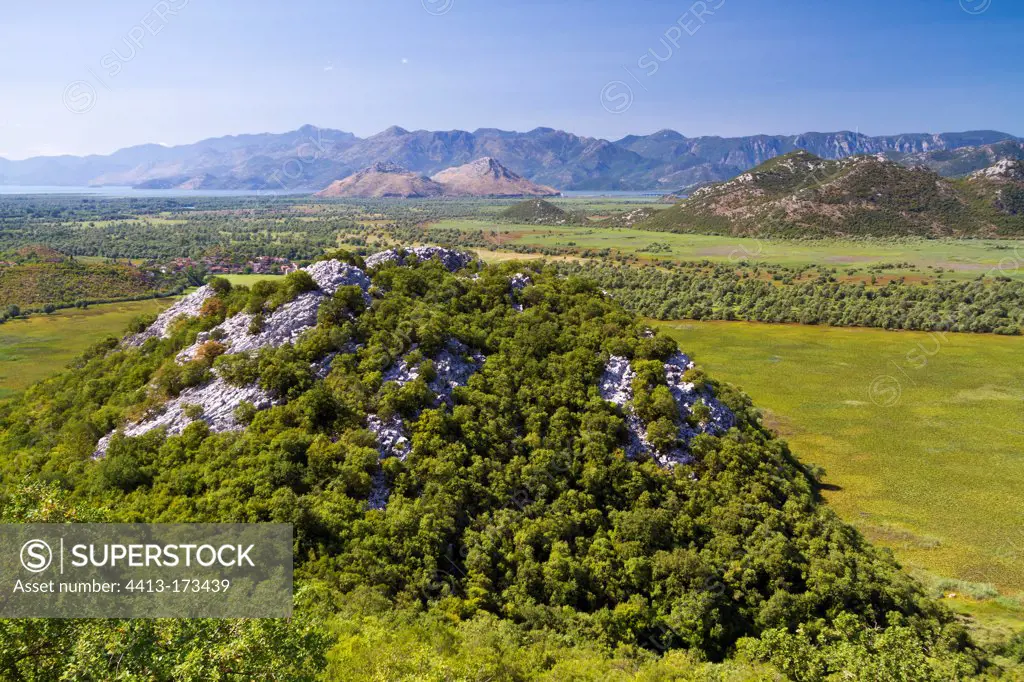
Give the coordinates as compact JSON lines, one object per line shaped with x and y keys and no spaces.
{"x":486,"y":177}
{"x":65,"y":283}
{"x":493,"y":445}
{"x":536,"y":212}
{"x":383,"y":180}
{"x":800,"y":194}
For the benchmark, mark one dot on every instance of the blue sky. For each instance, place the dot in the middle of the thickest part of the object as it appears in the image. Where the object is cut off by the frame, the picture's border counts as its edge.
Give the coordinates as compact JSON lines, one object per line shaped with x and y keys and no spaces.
{"x":92,"y":77}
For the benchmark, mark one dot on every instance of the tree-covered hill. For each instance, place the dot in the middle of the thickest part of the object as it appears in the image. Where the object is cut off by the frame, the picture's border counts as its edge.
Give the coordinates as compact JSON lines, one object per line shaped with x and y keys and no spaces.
{"x":537,"y":212}
{"x":801,"y":195}
{"x":61,"y":284}
{"x":493,"y":473}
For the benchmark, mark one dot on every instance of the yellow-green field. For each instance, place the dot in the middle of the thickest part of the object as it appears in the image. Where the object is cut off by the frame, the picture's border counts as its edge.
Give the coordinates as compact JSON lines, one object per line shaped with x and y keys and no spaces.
{"x":40,"y":346}
{"x":921,"y":434}
{"x":959,"y":258}
{"x":247,"y":280}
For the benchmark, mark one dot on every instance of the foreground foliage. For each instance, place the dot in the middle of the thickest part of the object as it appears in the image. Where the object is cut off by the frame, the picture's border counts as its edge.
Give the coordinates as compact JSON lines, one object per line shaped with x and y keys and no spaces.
{"x":706,"y":291}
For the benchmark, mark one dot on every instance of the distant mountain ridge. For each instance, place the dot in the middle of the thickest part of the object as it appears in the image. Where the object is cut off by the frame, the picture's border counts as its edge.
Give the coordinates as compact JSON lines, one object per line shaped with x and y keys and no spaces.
{"x":311,"y":158}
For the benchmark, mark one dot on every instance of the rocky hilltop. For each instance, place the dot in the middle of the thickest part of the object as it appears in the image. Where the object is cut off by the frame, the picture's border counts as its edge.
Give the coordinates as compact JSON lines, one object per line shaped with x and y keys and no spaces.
{"x":490,"y":444}
{"x":382,"y":181}
{"x":800,"y":194}
{"x":486,"y":177}
{"x":216,"y":400}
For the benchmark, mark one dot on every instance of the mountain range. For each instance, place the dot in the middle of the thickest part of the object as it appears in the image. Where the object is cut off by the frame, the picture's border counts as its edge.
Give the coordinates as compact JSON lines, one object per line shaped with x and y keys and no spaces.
{"x":800,"y":194}
{"x":311,"y":158}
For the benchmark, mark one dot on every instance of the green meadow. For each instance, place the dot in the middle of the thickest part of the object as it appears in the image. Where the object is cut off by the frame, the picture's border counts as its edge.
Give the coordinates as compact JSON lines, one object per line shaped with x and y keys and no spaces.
{"x":41,"y":345}
{"x":957,"y":258}
{"x":247,"y":280}
{"x":920,"y":434}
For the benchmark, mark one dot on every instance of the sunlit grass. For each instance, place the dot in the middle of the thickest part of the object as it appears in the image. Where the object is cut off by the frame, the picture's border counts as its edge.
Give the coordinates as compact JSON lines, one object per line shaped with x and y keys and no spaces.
{"x":958,"y":258}
{"x":40,"y":346}
{"x":921,"y":434}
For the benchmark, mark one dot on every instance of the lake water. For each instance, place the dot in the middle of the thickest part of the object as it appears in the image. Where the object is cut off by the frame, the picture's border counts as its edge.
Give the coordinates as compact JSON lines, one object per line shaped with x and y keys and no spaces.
{"x":122,"y":192}
{"x":127,"y":192}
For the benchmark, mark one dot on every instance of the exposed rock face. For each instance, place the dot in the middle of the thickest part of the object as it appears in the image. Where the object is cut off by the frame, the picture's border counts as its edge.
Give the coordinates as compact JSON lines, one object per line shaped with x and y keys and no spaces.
{"x":453,"y":366}
{"x":517,"y":283}
{"x":392,"y":438}
{"x":188,"y":306}
{"x":1003,"y":170}
{"x":486,"y":177}
{"x":331,"y":275}
{"x":218,"y":400}
{"x":288,"y":322}
{"x":217,"y":397}
{"x":686,"y":395}
{"x":453,"y":260}
{"x":616,"y":386}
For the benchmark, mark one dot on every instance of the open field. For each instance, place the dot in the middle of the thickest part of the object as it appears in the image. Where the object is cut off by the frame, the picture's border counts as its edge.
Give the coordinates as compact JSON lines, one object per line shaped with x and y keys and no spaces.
{"x":920,"y":434}
{"x":958,"y":258}
{"x":42,"y":345}
{"x":247,"y":280}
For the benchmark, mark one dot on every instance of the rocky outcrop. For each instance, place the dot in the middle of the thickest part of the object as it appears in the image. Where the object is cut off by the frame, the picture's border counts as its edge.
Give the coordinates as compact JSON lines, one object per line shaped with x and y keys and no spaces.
{"x":188,"y":306}
{"x":453,"y":260}
{"x":453,"y":366}
{"x":686,"y":396}
{"x":616,"y":386}
{"x":392,"y":438}
{"x":217,"y":400}
{"x":1006,"y":170}
{"x":517,"y":283}
{"x":288,"y":322}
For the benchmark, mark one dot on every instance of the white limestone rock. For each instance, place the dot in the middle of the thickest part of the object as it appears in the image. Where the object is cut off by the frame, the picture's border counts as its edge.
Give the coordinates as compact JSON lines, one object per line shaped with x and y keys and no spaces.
{"x":331,"y":275}
{"x":451,"y":259}
{"x":188,"y":306}
{"x":392,"y":438}
{"x":517,"y":283}
{"x":453,"y":366}
{"x":288,"y":322}
{"x":685,"y":394}
{"x":616,"y":386}
{"x":217,"y":398}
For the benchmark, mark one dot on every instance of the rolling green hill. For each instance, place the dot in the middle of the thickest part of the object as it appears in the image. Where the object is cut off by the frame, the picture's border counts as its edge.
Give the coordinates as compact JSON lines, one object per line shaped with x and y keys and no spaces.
{"x":800,"y":194}
{"x":537,"y":212}
{"x":62,"y":284}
